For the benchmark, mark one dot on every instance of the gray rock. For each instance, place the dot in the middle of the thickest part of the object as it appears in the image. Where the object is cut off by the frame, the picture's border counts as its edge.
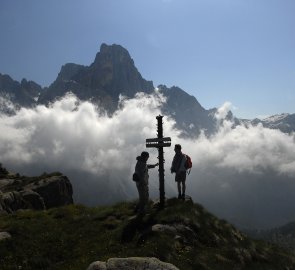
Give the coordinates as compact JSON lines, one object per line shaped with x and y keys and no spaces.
{"x":97,"y":266}
{"x":138,"y":263}
{"x":5,"y":182}
{"x":53,"y":191}
{"x":33,"y":200}
{"x":132,"y":263}
{"x":11,"y":201}
{"x":14,"y":200}
{"x":164,"y":228}
{"x":4,"y":236}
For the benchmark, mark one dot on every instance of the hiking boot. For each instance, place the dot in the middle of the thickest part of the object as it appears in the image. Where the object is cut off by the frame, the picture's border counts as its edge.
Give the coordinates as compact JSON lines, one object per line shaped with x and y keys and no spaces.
{"x":183,"y":197}
{"x":179,"y":196}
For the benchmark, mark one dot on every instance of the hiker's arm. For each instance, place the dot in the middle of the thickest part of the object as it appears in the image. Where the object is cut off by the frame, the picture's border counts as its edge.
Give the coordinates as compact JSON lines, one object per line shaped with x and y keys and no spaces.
{"x":150,"y":166}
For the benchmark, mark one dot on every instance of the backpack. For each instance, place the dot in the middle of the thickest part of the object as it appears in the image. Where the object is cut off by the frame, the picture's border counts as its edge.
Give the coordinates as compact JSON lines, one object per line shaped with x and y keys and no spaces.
{"x":188,"y":163}
{"x":135,"y":177}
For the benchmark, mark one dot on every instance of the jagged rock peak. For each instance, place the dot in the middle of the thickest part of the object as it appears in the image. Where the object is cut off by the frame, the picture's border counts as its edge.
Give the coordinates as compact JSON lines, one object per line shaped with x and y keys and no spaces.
{"x":114,"y":71}
{"x":68,"y":70}
{"x":113,"y":52}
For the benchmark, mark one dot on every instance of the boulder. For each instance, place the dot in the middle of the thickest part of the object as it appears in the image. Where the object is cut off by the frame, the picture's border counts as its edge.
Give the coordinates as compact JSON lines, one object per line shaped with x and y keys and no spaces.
{"x":42,"y":193}
{"x":55,"y":190}
{"x":164,"y":228}
{"x":134,"y":263}
{"x":33,"y":200}
{"x":97,"y":266}
{"x":4,"y":236}
{"x":5,"y":182}
{"x":11,"y":201}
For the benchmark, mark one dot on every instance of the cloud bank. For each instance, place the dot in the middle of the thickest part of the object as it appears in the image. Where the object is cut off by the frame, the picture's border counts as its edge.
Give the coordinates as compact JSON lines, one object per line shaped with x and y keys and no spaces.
{"x":245,"y":175}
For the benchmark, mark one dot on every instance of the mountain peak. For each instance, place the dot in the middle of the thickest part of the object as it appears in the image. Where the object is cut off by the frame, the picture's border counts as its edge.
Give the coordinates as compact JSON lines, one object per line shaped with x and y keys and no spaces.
{"x":114,"y":48}
{"x":113,"y":52}
{"x":114,"y":71}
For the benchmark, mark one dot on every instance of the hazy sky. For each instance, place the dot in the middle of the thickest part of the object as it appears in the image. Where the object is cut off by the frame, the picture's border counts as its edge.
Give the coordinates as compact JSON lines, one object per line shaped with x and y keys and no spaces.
{"x":242,"y":51}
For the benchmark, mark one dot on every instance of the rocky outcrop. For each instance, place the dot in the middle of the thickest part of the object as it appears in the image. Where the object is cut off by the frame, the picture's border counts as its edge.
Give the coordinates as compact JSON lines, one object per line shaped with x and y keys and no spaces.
{"x":134,"y":263}
{"x":55,"y":190}
{"x":37,"y":193}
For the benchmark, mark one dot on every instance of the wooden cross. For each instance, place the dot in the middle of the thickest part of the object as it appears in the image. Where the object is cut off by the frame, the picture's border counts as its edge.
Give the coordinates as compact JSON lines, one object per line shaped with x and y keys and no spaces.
{"x":160,"y":142}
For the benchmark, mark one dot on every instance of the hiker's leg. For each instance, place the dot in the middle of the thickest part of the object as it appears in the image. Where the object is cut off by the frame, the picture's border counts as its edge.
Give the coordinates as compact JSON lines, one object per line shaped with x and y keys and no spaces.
{"x":142,"y":198}
{"x":146,"y":196}
{"x":183,"y":188}
{"x":179,"y":189}
{"x":183,"y":178}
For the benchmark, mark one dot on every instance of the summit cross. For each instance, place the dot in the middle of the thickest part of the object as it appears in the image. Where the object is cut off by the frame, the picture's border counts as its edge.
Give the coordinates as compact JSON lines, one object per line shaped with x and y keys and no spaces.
{"x":160,"y":142}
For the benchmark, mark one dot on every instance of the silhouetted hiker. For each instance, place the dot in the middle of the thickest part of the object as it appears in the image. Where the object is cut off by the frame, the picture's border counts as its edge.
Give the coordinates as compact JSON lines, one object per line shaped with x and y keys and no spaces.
{"x":178,"y":167}
{"x":141,"y":177}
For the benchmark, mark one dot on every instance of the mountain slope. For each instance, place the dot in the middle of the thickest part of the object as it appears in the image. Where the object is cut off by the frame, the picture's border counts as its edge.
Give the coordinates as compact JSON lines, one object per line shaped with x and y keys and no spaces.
{"x":188,"y":113}
{"x":183,"y":233}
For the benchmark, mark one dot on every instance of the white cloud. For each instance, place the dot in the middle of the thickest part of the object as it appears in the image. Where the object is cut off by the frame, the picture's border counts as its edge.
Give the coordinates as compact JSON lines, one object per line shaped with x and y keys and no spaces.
{"x":5,"y":103}
{"x":237,"y":173}
{"x":223,"y":111}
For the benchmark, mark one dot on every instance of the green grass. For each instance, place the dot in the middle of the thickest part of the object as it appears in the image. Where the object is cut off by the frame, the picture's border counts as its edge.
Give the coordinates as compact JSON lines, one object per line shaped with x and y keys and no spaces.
{"x":72,"y":237}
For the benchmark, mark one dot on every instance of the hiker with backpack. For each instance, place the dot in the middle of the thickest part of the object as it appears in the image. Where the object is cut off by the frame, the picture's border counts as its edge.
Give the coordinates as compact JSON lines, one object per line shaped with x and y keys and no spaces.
{"x":180,"y":164}
{"x":141,"y":177}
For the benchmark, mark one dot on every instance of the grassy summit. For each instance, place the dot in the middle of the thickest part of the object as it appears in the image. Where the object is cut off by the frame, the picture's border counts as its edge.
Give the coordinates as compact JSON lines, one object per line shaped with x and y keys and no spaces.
{"x":184,"y":234}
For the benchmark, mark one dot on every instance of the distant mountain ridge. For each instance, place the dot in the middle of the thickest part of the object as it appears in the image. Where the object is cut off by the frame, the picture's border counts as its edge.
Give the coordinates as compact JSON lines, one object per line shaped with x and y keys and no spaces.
{"x":24,"y":94}
{"x":112,"y":73}
{"x":284,"y":122}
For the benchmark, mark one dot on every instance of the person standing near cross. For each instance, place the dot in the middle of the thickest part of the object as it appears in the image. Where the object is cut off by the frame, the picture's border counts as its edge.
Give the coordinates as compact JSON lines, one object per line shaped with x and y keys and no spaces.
{"x":142,"y":181}
{"x":178,"y":167}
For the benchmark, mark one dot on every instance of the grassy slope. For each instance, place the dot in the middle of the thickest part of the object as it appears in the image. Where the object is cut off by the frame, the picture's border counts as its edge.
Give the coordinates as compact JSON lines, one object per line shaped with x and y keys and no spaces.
{"x":72,"y":237}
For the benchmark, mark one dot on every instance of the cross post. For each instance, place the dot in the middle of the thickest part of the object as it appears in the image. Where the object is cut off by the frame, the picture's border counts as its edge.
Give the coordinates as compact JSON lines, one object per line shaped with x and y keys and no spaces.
{"x":160,"y":142}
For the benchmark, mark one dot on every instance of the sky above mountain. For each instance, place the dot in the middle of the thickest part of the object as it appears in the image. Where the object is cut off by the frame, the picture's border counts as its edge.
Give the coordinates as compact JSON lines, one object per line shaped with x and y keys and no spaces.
{"x":241,"y":51}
